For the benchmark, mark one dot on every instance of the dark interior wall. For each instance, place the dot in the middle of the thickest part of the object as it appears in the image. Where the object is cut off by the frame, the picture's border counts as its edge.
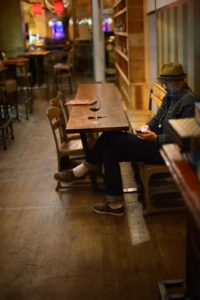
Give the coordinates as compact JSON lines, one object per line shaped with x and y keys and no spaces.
{"x":11,"y":28}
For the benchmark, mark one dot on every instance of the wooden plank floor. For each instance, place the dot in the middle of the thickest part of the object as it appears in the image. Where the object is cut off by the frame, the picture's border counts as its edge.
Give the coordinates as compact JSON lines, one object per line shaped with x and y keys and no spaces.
{"x":53,"y":247}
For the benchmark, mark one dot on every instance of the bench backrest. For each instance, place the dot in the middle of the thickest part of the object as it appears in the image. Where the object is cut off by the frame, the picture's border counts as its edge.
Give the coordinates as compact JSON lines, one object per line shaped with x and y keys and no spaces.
{"x":157,"y":94}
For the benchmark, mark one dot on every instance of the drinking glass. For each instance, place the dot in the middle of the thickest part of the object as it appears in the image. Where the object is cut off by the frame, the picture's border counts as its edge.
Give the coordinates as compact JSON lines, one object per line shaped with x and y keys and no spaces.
{"x":96,"y":107}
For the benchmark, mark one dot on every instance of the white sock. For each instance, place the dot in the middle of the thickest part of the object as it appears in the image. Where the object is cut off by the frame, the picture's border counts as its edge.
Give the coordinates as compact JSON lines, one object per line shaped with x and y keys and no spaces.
{"x":80,"y":170}
{"x":115,"y":201}
{"x":115,"y":205}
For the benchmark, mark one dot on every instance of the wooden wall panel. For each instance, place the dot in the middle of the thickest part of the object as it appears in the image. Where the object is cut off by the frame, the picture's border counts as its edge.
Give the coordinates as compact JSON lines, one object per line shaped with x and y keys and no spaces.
{"x":196,"y":24}
{"x":161,"y":3}
{"x":180,"y":33}
{"x":159,"y":24}
{"x":177,"y":28}
{"x":172,"y":42}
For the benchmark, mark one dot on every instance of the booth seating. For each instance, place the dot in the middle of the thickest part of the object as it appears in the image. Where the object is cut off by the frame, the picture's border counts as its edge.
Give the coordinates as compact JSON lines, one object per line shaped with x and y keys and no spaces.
{"x":155,"y":183}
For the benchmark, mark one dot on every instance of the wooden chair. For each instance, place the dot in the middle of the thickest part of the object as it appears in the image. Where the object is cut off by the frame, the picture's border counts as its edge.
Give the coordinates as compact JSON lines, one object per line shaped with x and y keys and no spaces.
{"x":154,"y":180}
{"x":59,"y":101}
{"x":66,"y":149}
{"x":65,"y":71}
{"x":5,"y":119}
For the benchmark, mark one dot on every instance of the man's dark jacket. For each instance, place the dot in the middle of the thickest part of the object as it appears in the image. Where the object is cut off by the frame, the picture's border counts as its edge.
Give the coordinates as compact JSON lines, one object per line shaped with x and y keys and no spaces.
{"x":174,"y":106}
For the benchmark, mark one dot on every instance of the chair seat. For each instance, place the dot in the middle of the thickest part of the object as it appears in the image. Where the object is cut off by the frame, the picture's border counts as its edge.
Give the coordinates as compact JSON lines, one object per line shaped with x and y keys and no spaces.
{"x":72,"y":146}
{"x":61,"y":67}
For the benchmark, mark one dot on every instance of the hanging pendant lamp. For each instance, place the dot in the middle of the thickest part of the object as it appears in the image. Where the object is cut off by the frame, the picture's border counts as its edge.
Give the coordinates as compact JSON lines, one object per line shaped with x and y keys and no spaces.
{"x":36,"y":8}
{"x":58,"y":7}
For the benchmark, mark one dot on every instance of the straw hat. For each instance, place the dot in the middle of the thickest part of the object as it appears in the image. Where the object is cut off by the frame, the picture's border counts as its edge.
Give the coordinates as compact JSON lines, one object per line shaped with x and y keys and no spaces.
{"x":171,"y":71}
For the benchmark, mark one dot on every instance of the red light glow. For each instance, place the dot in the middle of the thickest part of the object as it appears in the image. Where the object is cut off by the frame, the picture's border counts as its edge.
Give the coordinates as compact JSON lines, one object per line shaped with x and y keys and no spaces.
{"x":36,"y":8}
{"x":58,"y":7}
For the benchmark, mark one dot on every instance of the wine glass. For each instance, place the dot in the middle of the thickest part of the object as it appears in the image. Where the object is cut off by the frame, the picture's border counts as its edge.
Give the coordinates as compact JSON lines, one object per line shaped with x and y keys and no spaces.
{"x":95,"y":107}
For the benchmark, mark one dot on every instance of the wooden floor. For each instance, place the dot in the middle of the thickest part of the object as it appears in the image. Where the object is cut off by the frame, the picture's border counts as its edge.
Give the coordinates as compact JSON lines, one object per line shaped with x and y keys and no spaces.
{"x":53,"y":247}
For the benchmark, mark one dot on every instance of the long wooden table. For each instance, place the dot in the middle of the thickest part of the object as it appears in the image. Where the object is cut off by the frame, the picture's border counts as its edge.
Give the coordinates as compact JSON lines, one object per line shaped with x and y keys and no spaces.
{"x":113,"y":117}
{"x":112,"y":114}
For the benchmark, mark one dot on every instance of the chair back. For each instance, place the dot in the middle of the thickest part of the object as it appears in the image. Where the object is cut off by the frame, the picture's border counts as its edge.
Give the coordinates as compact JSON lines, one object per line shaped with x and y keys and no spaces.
{"x":65,"y":149}
{"x":54,"y":115}
{"x":54,"y":102}
{"x":61,"y":100}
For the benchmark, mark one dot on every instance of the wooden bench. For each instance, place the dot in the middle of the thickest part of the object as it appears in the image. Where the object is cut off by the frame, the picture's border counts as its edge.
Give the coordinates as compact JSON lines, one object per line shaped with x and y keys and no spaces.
{"x":155,"y":183}
{"x":139,"y":117}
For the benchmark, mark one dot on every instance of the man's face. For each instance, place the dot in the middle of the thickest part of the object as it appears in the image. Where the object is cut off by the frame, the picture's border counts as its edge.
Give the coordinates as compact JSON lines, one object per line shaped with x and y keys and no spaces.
{"x":170,"y":86}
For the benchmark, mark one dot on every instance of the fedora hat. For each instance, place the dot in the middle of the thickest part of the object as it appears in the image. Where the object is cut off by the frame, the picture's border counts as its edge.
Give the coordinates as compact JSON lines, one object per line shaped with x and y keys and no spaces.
{"x":171,"y":71}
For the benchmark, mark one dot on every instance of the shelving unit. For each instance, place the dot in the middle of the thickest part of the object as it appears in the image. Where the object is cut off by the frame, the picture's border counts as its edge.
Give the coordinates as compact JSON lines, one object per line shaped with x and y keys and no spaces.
{"x":129,"y":51}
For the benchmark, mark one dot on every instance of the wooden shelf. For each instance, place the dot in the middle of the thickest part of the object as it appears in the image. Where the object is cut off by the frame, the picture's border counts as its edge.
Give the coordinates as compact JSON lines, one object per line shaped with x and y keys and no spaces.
{"x":129,"y":31}
{"x":119,"y":13}
{"x":122,"y":54}
{"x":117,"y":3}
{"x":125,"y":93}
{"x":122,"y":74}
{"x":121,"y":33}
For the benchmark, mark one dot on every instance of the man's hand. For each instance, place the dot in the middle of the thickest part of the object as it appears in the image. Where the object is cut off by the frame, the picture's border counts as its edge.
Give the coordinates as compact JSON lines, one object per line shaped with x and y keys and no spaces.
{"x":148,"y":135}
{"x":142,"y":128}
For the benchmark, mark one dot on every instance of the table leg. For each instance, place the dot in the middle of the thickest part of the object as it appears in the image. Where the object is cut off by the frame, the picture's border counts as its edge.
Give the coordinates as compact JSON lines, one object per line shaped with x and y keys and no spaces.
{"x":37,"y":69}
{"x":92,"y":174}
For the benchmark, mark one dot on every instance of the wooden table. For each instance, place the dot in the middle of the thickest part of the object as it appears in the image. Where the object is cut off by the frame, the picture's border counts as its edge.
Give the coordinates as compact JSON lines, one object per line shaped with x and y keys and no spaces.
{"x":113,"y":116}
{"x":12,"y":64}
{"x":185,"y":178}
{"x":17,"y":61}
{"x":189,"y":185}
{"x":36,"y":58}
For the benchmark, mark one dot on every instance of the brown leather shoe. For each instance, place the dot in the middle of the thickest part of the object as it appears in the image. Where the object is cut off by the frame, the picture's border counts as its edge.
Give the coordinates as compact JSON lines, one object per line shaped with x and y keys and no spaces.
{"x":105,"y":209}
{"x":67,"y":176}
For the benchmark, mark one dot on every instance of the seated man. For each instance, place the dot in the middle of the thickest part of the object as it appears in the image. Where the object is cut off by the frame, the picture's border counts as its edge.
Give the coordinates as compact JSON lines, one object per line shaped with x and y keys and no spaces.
{"x":114,"y":147}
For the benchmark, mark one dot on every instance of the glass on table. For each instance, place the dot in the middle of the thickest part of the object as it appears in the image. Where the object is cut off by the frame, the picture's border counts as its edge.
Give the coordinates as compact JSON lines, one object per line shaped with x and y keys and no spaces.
{"x":95,"y":108}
